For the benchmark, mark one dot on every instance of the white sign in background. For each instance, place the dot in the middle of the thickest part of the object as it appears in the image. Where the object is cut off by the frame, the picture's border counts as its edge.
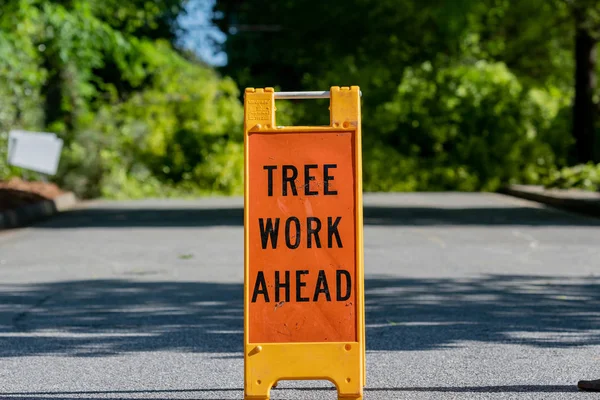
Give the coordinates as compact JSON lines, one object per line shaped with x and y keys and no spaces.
{"x":35,"y":151}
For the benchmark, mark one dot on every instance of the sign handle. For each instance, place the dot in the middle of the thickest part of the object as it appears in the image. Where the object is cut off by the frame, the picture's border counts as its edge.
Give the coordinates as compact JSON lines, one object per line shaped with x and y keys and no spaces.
{"x":304,"y":95}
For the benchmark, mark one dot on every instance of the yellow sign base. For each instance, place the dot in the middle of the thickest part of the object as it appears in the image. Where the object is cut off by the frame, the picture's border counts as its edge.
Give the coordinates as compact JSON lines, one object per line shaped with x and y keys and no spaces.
{"x":339,"y":363}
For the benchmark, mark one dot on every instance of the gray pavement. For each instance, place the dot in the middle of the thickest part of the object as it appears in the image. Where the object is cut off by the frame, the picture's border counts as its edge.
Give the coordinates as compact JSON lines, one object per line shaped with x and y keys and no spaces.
{"x":469,"y":296}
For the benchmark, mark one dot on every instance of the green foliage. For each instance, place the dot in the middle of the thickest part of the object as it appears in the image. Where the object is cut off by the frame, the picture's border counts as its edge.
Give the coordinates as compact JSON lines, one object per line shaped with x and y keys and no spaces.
{"x":585,"y":176}
{"x":314,"y":45}
{"x":484,"y":87}
{"x":370,"y":42}
{"x":466,"y":127}
{"x":533,"y":38}
{"x":137,"y":117}
{"x":182,"y":130}
{"x":587,"y":15}
{"x":141,"y":18}
{"x":387,"y":170}
{"x":21,"y":79}
{"x":462,"y":95}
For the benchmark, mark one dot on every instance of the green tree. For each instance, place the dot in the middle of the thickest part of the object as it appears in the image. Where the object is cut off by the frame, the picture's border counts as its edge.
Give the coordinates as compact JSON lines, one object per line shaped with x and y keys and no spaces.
{"x":137,"y":114}
{"x":306,"y":45}
{"x":586,"y":16}
{"x":467,"y":127}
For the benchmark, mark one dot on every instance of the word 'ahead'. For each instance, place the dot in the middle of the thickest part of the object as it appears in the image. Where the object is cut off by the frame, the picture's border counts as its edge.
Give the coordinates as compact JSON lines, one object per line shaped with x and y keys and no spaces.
{"x":321,"y":289}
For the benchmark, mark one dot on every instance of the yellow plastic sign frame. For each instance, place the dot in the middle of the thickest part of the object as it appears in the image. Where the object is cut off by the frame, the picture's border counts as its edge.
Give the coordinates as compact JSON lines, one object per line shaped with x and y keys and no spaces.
{"x":342,"y":363}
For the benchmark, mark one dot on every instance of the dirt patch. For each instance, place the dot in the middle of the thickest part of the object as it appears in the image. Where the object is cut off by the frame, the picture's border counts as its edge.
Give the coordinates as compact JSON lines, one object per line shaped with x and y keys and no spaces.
{"x":16,"y":193}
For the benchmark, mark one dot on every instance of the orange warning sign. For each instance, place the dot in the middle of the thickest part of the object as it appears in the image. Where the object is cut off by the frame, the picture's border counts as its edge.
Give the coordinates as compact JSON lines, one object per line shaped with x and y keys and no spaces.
{"x":303,"y":280}
{"x":302,"y":244}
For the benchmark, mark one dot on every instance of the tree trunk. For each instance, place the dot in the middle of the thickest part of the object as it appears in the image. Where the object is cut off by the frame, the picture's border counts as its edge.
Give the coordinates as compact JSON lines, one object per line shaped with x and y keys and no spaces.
{"x":583,"y":108}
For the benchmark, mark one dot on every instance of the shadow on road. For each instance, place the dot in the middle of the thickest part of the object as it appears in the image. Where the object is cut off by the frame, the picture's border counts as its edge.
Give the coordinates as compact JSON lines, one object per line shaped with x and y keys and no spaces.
{"x":394,"y":216}
{"x":422,"y":314}
{"x":109,"y":317}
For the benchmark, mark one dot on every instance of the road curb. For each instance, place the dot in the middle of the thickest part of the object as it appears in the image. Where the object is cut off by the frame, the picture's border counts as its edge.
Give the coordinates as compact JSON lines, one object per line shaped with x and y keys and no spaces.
{"x":31,"y":213}
{"x":579,"y":201}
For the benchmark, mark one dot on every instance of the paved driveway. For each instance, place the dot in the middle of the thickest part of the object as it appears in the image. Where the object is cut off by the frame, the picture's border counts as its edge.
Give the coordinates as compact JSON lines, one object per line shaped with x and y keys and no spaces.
{"x":469,"y":296}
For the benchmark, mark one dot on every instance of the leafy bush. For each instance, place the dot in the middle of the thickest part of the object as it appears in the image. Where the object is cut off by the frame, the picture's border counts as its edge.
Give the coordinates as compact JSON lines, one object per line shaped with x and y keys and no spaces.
{"x":586,"y":176}
{"x":466,"y":127}
{"x":21,"y":81}
{"x":182,"y":130}
{"x":140,"y":118}
{"x":137,"y":117}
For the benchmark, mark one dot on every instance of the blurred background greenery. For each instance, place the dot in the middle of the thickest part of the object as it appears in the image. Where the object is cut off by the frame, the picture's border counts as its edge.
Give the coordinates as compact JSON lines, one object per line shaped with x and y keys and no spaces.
{"x":457,"y":94}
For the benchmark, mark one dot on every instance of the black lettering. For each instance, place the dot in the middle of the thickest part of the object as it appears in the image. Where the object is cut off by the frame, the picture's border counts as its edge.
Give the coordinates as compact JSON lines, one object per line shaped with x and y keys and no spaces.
{"x":285,"y":285}
{"x":270,"y":169}
{"x":338,"y":284}
{"x":260,"y":287}
{"x":307,"y":178}
{"x":299,"y":286}
{"x":289,"y":179}
{"x":327,"y":178}
{"x":310,"y":231}
{"x":288,"y":237}
{"x":322,"y":287}
{"x":269,"y":231}
{"x":332,"y":230}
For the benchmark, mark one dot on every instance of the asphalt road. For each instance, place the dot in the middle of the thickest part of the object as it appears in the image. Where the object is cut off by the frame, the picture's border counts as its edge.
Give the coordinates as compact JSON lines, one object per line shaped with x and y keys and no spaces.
{"x":469,"y":296}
